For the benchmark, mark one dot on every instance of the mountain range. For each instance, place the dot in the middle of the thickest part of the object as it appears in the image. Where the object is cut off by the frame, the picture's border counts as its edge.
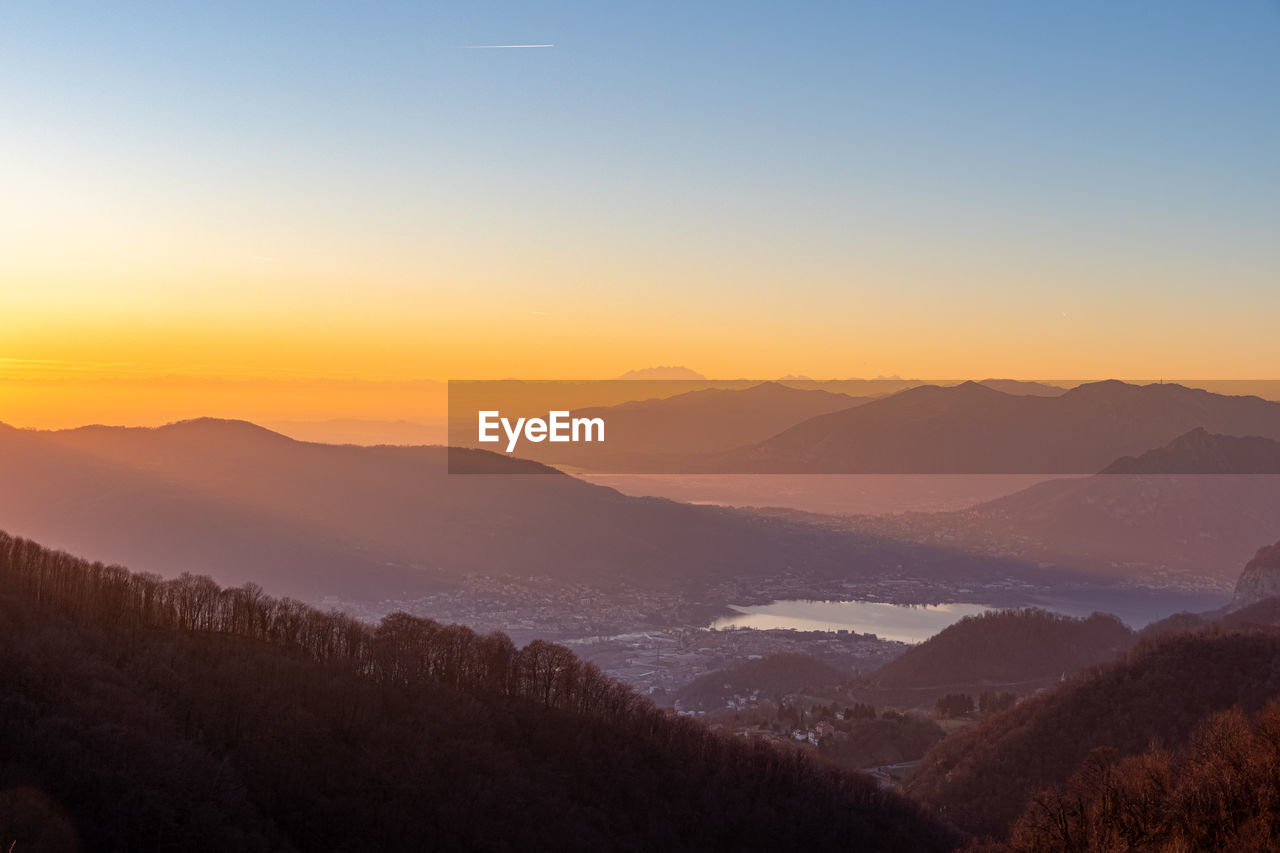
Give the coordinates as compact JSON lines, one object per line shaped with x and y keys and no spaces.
{"x":652,"y":436}
{"x":975,"y":429}
{"x":663,"y":372}
{"x":663,"y":426}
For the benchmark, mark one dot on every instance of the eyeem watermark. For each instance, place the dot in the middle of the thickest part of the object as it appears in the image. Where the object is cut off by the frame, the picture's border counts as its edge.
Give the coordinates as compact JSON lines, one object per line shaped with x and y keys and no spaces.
{"x":558,"y":426}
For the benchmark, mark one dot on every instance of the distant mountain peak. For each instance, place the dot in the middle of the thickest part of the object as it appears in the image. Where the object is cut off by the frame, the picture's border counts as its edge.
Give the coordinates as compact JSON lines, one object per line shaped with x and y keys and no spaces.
{"x":1024,"y":388}
{"x":193,"y":431}
{"x":1103,"y":387}
{"x":1118,"y":387}
{"x":771,"y":386}
{"x":218,"y":425}
{"x":663,"y":372}
{"x":778,"y":388}
{"x":965,"y":389}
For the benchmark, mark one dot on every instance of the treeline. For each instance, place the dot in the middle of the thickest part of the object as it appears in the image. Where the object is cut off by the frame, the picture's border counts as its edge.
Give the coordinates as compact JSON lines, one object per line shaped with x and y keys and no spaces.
{"x":402,"y":649}
{"x":148,"y":714}
{"x":1219,"y":792}
{"x":983,"y":777}
{"x":1006,"y":647}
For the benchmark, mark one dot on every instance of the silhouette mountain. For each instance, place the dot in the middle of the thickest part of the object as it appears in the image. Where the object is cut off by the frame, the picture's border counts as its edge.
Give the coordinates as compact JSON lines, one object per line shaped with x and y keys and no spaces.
{"x":1021,"y":386}
{"x":662,"y":372}
{"x":648,"y":436}
{"x":359,"y":431}
{"x":974,"y":429}
{"x":241,"y":503}
{"x":1201,"y":452}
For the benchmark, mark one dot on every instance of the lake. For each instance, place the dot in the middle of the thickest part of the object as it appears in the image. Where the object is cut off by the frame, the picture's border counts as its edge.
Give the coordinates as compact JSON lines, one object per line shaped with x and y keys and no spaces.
{"x":915,"y":623}
{"x":908,"y":623}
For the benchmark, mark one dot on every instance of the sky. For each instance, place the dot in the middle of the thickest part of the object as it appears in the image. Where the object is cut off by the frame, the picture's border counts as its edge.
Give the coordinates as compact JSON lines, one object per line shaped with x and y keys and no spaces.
{"x":963,"y":188}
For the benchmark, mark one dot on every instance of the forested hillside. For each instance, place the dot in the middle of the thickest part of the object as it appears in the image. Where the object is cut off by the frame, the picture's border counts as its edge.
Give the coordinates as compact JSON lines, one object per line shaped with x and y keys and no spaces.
{"x":1160,"y":692}
{"x":1221,"y":791}
{"x":144,"y":714}
{"x":1006,"y":647}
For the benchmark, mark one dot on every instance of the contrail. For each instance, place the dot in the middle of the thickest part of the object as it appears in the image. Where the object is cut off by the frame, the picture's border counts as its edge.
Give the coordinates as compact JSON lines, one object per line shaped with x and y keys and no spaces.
{"x":503,"y":46}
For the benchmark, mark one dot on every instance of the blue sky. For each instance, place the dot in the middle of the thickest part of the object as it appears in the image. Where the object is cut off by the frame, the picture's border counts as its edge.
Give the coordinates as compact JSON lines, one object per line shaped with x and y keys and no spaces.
{"x":1008,"y":160}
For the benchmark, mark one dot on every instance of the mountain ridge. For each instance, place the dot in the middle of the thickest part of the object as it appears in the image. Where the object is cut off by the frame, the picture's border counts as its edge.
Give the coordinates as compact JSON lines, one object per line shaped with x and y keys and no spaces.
{"x":1202,"y":452}
{"x":971,"y":428}
{"x":376,"y":523}
{"x":652,"y":435}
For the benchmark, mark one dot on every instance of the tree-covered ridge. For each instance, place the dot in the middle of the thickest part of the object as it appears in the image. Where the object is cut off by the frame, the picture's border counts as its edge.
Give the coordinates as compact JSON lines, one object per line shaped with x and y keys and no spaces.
{"x":1221,"y":791}
{"x":1161,"y":691}
{"x":150,"y":714}
{"x":1006,"y":647}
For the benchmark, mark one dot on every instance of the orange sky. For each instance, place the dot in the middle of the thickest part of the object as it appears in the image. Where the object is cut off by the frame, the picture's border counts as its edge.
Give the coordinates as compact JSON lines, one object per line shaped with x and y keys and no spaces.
{"x":87,"y":348}
{"x":151,"y":355}
{"x":368,"y":330}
